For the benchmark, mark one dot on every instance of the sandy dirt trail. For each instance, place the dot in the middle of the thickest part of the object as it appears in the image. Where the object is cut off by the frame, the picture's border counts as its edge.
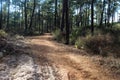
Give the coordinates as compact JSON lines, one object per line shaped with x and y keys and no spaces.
{"x":71,"y":63}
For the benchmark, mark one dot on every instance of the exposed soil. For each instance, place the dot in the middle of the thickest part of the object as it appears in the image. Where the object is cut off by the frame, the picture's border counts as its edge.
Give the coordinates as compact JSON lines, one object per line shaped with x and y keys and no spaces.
{"x":73,"y":64}
{"x":48,"y":60}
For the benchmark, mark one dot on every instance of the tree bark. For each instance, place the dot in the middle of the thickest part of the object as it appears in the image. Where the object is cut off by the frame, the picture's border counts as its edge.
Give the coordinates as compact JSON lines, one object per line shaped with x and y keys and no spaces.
{"x":1,"y":16}
{"x":67,"y":22}
{"x":8,"y":26}
{"x":108,"y":13}
{"x":31,"y":19}
{"x":56,"y":14}
{"x":39,"y":20}
{"x":65,"y":19}
{"x":103,"y":8}
{"x":63,"y":15}
{"x":92,"y":17}
{"x":25,"y":14}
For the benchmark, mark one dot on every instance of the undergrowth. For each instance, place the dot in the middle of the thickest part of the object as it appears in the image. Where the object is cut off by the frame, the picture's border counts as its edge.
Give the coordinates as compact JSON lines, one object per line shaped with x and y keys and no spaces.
{"x":98,"y":44}
{"x":3,"y":33}
{"x":57,"y":35}
{"x":105,"y":41}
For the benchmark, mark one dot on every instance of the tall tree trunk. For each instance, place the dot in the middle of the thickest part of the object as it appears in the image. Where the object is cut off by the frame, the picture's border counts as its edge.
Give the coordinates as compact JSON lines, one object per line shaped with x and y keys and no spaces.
{"x":59,"y":16}
{"x":80,"y":14}
{"x":92,"y":17}
{"x":42,"y":23}
{"x":67,"y":22}
{"x":56,"y":14}
{"x":1,"y":16}
{"x":105,"y":18}
{"x":88,"y":15}
{"x":39,"y":19}
{"x":31,"y":19}
{"x":15,"y":16}
{"x":101,"y":19}
{"x":25,"y":14}
{"x":23,"y":24}
{"x":8,"y":26}
{"x":112,"y":19}
{"x":63,"y":15}
{"x":108,"y":13}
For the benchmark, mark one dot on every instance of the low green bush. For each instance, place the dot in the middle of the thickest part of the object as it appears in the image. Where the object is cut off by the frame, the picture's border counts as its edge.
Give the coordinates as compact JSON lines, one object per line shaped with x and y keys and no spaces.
{"x":75,"y":33}
{"x":80,"y":43}
{"x":3,"y":33}
{"x":73,"y":36}
{"x":57,"y":35}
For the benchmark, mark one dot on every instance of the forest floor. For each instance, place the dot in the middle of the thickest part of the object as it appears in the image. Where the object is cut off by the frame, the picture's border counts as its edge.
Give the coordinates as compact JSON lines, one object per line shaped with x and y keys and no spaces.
{"x":49,"y":60}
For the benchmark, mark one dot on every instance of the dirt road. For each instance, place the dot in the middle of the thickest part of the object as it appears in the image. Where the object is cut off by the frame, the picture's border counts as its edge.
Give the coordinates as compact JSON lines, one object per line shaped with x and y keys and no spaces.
{"x":70,"y":63}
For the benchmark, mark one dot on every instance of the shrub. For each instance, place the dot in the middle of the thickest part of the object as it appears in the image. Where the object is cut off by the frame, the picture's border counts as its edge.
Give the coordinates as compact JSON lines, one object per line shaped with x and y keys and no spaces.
{"x":97,"y":44}
{"x":57,"y":35}
{"x":3,"y":33}
{"x":76,"y":32}
{"x":80,"y":43}
{"x":73,"y":36}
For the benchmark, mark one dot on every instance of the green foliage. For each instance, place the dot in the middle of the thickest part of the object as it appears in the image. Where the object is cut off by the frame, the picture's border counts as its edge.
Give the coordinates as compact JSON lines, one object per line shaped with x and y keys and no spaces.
{"x":116,"y":27}
{"x":3,"y":33}
{"x":57,"y":35}
{"x":73,"y":36}
{"x":76,"y":32}
{"x":80,"y":43}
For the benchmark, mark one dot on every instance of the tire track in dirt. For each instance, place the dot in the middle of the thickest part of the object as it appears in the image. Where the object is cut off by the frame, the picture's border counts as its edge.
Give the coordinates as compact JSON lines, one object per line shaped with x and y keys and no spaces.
{"x":73,"y":64}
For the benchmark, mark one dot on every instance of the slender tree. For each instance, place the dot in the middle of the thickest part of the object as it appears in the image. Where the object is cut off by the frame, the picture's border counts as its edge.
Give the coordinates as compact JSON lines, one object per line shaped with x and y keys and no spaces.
{"x":1,"y":16}
{"x":92,"y":17}
{"x":8,"y":14}
{"x":63,"y":15}
{"x":108,"y":12}
{"x":25,"y":16}
{"x":31,"y":19}
{"x":56,"y":13}
{"x":103,"y":8}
